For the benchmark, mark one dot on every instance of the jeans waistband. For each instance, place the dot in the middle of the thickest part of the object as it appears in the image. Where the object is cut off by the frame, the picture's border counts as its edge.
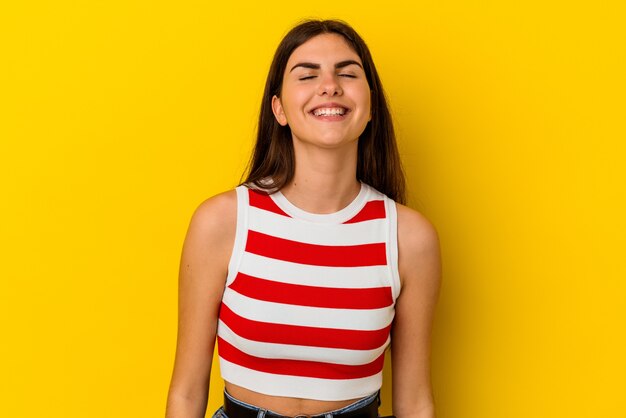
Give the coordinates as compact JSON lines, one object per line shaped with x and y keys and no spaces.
{"x":374,"y":397}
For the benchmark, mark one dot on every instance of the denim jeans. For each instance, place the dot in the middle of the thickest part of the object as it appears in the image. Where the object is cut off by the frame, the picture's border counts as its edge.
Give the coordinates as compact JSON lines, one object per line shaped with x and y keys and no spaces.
{"x":261,"y":412}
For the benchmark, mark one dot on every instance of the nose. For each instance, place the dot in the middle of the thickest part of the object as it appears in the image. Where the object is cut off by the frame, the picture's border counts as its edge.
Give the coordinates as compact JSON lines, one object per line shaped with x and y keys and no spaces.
{"x":329,"y":85}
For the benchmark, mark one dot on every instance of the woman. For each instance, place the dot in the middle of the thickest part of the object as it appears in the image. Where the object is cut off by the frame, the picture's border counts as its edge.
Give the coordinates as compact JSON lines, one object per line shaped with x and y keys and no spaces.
{"x":310,"y":269}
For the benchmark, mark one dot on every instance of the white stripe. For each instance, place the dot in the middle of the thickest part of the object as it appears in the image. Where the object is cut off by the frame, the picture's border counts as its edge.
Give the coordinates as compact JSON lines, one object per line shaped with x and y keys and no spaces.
{"x":298,"y":386}
{"x":299,"y":352}
{"x":278,"y":313}
{"x":309,"y":275}
{"x":280,"y":226}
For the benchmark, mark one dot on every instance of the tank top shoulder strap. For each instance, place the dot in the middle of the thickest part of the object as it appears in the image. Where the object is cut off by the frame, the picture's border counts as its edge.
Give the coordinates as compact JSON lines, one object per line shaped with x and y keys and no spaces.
{"x":243,"y":203}
{"x":392,"y":244}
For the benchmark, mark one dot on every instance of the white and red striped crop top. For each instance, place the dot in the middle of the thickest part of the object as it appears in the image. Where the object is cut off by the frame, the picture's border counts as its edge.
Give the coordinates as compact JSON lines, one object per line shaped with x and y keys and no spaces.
{"x":309,"y":298}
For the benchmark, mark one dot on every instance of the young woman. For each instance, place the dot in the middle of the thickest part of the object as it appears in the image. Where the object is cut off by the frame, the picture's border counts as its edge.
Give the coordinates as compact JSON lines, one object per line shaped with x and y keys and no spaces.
{"x":312,"y":267}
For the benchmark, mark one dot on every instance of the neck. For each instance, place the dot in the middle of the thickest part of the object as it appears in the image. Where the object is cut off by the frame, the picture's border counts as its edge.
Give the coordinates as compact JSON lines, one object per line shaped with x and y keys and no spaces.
{"x":324,"y":180}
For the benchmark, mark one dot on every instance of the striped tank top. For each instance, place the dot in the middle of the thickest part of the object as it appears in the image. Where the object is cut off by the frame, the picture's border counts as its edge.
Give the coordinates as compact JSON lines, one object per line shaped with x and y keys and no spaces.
{"x":309,"y":298}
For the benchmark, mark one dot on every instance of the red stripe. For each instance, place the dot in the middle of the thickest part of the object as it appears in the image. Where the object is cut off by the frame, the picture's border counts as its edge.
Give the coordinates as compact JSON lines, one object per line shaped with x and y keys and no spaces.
{"x":317,"y":255}
{"x":298,"y":367}
{"x":303,"y":335}
{"x":374,"y":209}
{"x":263,"y":201}
{"x":321,"y":297}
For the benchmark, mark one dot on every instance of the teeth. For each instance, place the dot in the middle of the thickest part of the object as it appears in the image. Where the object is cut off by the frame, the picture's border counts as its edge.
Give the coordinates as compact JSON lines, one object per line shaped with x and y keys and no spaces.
{"x":329,"y":111}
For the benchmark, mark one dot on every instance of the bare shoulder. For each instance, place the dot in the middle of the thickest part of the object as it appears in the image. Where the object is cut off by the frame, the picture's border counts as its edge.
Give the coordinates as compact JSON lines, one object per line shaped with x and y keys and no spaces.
{"x":418,"y":244}
{"x":212,"y":228}
{"x":415,"y":232}
{"x":214,"y":211}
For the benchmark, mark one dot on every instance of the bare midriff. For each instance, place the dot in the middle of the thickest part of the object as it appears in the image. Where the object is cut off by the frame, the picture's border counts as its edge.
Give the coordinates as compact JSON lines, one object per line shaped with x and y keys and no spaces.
{"x":283,"y":405}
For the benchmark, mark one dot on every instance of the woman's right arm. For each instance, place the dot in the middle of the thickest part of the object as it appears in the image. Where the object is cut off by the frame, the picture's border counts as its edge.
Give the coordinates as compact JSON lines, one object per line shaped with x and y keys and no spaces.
{"x":203,"y":269}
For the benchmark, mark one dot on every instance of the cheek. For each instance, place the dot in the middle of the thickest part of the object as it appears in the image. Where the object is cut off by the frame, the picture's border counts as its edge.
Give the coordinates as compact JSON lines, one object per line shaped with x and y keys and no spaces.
{"x":293,"y":101}
{"x":365,"y":100}
{"x":363,"y":96}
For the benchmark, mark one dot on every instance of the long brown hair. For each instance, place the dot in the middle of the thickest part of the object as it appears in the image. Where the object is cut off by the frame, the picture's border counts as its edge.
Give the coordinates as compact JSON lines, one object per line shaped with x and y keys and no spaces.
{"x":273,"y":158}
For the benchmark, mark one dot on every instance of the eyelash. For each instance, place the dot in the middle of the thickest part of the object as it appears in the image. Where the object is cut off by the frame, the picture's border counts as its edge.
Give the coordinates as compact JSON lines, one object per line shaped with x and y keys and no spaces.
{"x":340,"y":75}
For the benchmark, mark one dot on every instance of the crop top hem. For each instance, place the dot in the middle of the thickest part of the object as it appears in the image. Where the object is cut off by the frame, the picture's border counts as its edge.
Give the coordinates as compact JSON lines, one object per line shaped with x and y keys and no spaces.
{"x":299,"y":387}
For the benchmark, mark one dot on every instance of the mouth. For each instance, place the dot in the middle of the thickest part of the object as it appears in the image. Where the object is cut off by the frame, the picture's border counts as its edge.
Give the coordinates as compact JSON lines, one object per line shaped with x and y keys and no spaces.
{"x":331,"y":111}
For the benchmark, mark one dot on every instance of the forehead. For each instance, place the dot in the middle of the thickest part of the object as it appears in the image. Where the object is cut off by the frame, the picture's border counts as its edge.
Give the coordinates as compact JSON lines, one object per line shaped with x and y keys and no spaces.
{"x":324,"y":47}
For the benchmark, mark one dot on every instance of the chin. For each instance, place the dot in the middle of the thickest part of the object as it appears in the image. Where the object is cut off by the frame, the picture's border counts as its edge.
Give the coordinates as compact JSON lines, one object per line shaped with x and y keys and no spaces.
{"x":336,"y":143}
{"x":328,"y":140}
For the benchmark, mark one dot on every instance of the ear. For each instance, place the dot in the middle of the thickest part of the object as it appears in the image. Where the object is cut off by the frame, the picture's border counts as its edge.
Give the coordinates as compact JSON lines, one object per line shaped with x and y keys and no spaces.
{"x":279,"y":112}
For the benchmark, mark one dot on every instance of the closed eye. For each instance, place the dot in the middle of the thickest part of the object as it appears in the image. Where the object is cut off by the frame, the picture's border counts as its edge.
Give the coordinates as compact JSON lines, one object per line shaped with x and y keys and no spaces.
{"x":347,"y":75}
{"x":306,"y":78}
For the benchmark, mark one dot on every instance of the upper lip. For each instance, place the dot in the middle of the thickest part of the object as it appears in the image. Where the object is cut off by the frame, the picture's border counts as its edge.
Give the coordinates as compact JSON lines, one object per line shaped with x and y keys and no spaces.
{"x":329,"y":105}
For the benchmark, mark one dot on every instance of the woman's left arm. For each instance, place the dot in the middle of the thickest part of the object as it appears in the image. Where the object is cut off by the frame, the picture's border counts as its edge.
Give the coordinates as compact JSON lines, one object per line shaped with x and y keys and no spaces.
{"x":419,"y":264}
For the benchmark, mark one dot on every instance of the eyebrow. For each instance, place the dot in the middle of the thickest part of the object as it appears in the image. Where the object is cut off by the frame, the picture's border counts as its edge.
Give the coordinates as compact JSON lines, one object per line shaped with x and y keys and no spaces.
{"x":314,"y":66}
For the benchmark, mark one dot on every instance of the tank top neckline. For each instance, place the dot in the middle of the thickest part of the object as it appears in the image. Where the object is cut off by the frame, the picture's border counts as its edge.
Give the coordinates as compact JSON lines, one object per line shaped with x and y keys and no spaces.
{"x":338,"y":217}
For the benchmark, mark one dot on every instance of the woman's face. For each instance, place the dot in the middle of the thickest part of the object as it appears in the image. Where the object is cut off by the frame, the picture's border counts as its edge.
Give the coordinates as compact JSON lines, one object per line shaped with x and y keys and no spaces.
{"x":325,"y":96}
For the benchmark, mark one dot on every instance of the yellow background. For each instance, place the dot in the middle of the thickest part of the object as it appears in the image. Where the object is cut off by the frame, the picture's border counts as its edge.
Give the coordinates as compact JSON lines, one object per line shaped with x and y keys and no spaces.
{"x":119,"y":117}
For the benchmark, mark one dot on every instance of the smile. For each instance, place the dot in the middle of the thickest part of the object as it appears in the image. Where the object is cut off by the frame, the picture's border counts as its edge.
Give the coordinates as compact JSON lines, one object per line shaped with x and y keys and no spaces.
{"x":329,"y":111}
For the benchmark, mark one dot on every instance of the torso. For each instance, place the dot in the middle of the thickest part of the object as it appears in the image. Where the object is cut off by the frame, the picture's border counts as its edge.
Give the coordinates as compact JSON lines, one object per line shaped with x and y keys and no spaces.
{"x":289,"y":406}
